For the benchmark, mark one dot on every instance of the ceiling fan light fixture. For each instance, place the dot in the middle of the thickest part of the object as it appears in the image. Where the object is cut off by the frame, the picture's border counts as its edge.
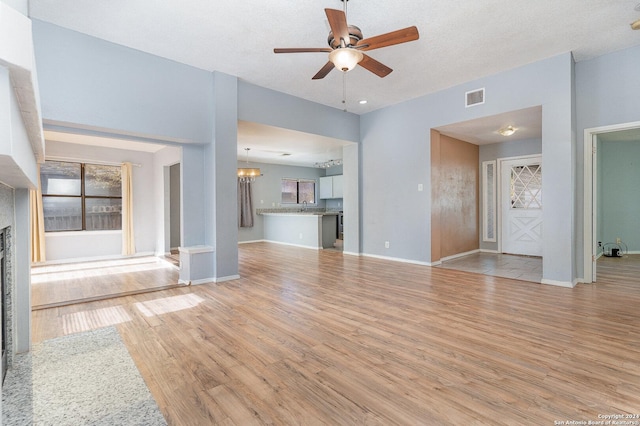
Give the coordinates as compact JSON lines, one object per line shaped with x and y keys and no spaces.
{"x":636,"y":25}
{"x":346,"y":58}
{"x":507,"y":131}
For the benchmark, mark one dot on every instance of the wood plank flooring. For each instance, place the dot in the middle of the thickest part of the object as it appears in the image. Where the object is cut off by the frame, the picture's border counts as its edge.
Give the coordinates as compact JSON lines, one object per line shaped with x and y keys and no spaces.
{"x":64,"y":284}
{"x":314,"y":337}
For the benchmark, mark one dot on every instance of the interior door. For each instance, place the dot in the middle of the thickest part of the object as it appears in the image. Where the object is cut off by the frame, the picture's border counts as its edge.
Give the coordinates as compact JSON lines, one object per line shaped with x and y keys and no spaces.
{"x":521,"y":206}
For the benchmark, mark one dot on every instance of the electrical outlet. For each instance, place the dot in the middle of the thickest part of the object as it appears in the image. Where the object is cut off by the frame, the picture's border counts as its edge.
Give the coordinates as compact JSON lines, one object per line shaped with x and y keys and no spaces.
{"x":618,"y":240}
{"x":386,"y":244}
{"x":301,"y":235}
{"x":599,"y":243}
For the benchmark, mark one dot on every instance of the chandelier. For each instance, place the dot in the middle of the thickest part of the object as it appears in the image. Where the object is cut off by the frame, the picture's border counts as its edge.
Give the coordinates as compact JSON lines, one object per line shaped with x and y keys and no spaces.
{"x":327,"y":164}
{"x":248,"y":174}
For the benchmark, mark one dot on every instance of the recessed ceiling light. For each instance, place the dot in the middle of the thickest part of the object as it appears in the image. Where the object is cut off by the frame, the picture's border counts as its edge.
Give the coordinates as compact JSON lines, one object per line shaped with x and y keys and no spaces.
{"x":362,"y":102}
{"x":285,"y":154}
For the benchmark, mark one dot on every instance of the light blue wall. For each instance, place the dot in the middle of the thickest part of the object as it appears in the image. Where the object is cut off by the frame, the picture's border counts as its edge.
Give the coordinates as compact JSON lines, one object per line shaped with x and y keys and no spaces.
{"x":193,"y":194}
{"x":607,"y":93}
{"x":221,"y":176}
{"x":93,"y":86}
{"x":495,"y":151}
{"x":267,"y":192}
{"x":85,"y":82}
{"x":265,"y":106}
{"x":396,"y":158}
{"x":619,"y":197}
{"x":88,"y":82}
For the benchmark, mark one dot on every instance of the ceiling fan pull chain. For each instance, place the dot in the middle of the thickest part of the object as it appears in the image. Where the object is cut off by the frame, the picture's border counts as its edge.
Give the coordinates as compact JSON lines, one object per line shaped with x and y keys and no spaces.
{"x":344,"y":91}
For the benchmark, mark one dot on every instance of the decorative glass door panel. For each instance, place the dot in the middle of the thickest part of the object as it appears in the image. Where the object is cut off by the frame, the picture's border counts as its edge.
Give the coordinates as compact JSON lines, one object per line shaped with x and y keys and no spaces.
{"x":521,"y":181}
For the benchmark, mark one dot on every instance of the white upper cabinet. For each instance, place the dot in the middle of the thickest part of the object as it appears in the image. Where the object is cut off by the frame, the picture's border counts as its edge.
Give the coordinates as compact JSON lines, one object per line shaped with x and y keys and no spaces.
{"x":331,"y":187}
{"x":337,"y":186}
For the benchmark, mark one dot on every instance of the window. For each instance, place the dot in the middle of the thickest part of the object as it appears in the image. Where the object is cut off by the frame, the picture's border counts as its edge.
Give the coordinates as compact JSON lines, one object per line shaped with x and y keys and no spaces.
{"x":489,"y":201}
{"x":78,"y":196}
{"x":526,"y":187}
{"x":297,"y":191}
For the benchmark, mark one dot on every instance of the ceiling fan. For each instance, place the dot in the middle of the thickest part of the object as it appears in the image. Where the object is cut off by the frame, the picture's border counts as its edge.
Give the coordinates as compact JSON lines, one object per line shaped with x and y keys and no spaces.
{"x":346,"y":45}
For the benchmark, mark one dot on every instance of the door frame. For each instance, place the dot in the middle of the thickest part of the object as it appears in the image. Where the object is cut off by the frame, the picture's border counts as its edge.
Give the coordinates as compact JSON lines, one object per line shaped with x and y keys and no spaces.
{"x":589,"y":243}
{"x":499,"y":190}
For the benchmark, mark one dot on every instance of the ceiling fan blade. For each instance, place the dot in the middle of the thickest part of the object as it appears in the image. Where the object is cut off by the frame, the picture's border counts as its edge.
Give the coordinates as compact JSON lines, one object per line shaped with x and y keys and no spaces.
{"x":301,"y":49}
{"x":338,"y":23}
{"x":389,"y":39}
{"x":378,"y":68}
{"x":323,"y":71}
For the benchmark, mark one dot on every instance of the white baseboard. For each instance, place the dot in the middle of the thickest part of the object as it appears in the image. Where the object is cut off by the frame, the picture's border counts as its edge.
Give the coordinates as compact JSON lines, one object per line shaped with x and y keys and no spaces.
{"x":351,"y":253}
{"x":96,"y":258}
{"x":197,"y":282}
{"x":227,"y":278}
{"x":397,"y":259}
{"x":209,"y":280}
{"x":293,"y":245}
{"x":251,"y":241}
{"x":489,"y":251}
{"x":567,"y":284}
{"x":455,"y":256}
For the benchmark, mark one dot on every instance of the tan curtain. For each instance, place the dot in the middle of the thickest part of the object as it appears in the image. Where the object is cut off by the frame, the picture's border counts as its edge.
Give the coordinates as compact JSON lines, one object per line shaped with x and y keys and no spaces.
{"x":36,"y":219}
{"x":128,"y":243}
{"x":245,"y":204}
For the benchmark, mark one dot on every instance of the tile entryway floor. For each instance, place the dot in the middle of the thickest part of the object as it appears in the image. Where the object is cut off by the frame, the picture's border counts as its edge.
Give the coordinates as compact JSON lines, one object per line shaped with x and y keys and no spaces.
{"x":526,"y":268}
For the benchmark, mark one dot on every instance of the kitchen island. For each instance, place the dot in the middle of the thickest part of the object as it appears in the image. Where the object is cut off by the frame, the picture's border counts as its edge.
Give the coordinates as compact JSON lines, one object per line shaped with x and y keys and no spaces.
{"x":311,"y":229}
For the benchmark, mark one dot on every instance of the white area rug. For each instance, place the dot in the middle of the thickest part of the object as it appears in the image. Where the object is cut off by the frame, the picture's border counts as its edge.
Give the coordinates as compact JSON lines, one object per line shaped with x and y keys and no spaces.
{"x":81,"y":379}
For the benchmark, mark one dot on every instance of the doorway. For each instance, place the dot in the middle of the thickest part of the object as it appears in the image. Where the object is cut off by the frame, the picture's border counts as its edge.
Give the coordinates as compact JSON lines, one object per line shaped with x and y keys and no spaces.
{"x":521,"y":205}
{"x":594,"y":232}
{"x":175,"y":235}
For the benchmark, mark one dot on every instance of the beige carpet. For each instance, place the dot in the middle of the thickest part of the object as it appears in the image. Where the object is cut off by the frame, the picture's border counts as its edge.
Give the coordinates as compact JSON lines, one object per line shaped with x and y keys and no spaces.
{"x":80,"y":379}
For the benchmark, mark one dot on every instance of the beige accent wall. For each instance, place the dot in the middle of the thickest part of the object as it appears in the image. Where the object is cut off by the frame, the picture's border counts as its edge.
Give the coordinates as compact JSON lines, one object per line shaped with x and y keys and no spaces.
{"x":455,"y":174}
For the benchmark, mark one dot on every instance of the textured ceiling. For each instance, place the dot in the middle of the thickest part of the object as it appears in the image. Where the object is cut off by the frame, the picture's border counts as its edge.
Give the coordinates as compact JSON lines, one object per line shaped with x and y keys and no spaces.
{"x":459,"y":41}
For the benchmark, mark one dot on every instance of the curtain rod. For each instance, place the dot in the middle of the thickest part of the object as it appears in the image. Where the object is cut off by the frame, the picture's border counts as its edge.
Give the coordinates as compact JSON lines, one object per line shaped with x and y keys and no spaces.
{"x":79,"y":160}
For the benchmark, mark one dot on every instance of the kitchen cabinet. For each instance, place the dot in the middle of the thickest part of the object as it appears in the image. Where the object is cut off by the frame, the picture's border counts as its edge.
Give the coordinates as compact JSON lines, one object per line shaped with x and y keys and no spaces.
{"x":331,"y":187}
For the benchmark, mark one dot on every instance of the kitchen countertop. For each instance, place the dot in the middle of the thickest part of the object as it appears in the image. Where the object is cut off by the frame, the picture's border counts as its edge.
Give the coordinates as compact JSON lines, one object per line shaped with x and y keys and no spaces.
{"x":310,"y":211}
{"x":299,"y":214}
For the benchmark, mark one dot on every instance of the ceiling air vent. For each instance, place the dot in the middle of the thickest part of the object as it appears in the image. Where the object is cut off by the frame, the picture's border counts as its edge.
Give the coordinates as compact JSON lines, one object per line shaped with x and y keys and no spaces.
{"x":474,"y":97}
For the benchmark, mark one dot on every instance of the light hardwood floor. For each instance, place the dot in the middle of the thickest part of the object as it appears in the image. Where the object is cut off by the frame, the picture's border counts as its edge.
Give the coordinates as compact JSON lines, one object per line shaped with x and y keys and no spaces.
{"x":69,"y":283}
{"x":315,"y":337}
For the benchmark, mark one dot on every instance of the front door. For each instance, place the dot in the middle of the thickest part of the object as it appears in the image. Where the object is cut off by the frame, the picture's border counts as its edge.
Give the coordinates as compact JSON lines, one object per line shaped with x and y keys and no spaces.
{"x":521,"y":200}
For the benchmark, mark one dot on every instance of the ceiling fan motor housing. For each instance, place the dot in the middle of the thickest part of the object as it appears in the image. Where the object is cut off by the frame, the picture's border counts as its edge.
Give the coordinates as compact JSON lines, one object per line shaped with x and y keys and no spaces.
{"x":355,"y":35}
